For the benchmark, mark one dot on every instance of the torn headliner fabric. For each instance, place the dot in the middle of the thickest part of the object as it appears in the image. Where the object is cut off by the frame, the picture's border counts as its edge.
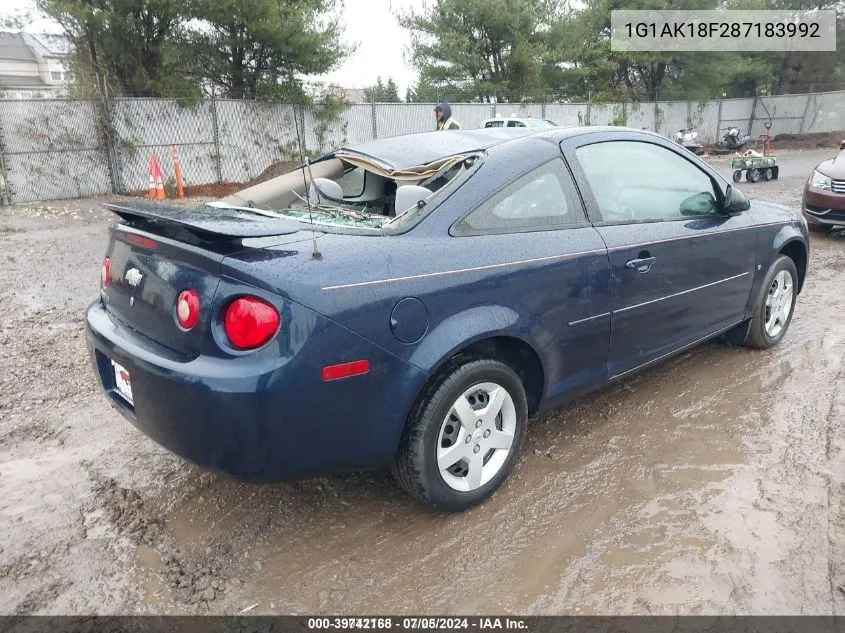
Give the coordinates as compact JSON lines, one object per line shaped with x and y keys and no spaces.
{"x":409,"y":173}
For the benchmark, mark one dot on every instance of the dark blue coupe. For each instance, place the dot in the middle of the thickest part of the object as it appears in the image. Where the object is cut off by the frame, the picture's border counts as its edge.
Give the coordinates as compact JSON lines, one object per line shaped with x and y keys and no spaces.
{"x":411,"y":302}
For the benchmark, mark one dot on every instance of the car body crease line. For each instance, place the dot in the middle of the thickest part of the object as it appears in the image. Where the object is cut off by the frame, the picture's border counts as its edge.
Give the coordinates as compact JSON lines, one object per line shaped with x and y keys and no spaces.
{"x":464,"y":270}
{"x":589,"y":318}
{"x":614,"y":249}
{"x":678,"y":294}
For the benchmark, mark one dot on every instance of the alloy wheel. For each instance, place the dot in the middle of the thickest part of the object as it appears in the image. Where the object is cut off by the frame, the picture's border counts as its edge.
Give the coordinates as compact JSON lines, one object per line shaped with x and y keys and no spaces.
{"x":476,"y":436}
{"x":779,"y":302}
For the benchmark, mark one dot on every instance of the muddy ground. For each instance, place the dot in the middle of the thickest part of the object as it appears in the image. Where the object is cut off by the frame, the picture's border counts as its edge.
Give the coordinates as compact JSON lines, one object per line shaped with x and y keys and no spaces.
{"x":710,"y":484}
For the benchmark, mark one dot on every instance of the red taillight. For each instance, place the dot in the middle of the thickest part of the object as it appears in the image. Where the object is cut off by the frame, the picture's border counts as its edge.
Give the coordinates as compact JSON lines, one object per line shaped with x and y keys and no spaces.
{"x":140,"y":241}
{"x":105,"y":272}
{"x":344,"y":370}
{"x":250,"y":322}
{"x":187,"y":309}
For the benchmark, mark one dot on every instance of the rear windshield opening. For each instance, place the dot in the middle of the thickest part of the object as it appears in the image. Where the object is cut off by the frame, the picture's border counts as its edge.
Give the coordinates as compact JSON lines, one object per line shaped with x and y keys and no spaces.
{"x":352,"y":191}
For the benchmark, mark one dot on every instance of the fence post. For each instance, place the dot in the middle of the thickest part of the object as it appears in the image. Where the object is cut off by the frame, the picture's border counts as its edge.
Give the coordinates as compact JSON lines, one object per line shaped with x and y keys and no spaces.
{"x":302,"y":127}
{"x":375,"y":119}
{"x":656,"y":116}
{"x":753,"y":111}
{"x":5,"y":185}
{"x":543,"y":110}
{"x":689,"y":114}
{"x":215,"y":131}
{"x":589,"y":107}
{"x":109,"y":139}
{"x":806,"y":109}
{"x":718,"y":120}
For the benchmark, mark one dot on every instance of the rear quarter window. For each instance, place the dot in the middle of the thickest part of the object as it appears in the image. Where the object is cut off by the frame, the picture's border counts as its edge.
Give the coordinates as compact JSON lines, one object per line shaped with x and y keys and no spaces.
{"x":543,"y":199}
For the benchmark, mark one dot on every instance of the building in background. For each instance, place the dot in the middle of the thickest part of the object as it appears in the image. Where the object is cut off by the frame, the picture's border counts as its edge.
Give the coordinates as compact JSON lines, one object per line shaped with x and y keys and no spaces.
{"x":33,"y":66}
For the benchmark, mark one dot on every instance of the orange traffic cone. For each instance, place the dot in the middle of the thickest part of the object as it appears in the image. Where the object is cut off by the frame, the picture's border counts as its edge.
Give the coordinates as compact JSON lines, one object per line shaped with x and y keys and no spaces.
{"x":152,"y":190}
{"x":177,"y":171}
{"x":156,"y":179}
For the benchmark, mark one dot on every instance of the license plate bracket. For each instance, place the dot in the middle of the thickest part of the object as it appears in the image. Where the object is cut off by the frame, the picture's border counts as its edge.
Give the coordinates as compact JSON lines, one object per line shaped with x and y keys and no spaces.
{"x":122,"y":383}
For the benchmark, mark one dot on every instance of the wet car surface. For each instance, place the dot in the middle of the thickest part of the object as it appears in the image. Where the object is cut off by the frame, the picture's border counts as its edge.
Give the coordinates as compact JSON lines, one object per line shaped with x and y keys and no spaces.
{"x":709,"y":484}
{"x":564,"y":262}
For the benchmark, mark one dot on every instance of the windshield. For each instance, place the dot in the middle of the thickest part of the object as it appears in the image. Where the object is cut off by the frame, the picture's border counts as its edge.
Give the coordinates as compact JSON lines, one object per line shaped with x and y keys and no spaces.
{"x":352,"y":192}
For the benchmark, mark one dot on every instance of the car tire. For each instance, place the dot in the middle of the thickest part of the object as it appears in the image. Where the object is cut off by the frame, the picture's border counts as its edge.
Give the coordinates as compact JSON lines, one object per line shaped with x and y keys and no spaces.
{"x":435,"y":427}
{"x":768,"y":328}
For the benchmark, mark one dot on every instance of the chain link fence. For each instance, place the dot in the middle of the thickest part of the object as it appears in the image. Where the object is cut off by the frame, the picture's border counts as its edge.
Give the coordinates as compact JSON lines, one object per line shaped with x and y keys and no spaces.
{"x":53,"y":149}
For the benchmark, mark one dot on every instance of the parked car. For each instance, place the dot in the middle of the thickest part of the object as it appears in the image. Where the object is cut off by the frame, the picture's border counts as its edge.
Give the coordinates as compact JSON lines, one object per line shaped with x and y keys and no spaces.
{"x":514,"y":121}
{"x":824,"y":194}
{"x":424,"y":295}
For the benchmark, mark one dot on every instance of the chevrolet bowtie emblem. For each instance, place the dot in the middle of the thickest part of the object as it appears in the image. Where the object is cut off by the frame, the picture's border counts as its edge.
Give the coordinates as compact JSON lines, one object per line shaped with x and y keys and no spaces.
{"x":134,"y":276}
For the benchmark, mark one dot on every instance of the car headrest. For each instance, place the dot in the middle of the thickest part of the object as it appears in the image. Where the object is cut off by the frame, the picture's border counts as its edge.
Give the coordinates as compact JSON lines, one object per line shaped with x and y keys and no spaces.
{"x":408,"y":196}
{"x":327,"y":187}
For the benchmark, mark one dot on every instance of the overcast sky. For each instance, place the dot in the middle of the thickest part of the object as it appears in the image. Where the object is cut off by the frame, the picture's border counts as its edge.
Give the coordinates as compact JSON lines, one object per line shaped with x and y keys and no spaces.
{"x":371,"y":24}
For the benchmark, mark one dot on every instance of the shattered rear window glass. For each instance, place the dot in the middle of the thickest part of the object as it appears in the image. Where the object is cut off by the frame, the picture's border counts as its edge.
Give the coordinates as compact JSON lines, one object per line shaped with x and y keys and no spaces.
{"x":323,"y":216}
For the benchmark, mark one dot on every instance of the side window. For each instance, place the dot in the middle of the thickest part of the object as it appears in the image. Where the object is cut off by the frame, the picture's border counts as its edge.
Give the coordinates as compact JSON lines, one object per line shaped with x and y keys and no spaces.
{"x":641,"y":182}
{"x":494,"y":124}
{"x":544,"y":198}
{"x":352,"y":182}
{"x":516,"y":124}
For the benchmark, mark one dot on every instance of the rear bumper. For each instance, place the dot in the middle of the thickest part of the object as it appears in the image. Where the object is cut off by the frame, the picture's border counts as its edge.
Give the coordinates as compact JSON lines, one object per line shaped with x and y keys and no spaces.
{"x":267,"y":416}
{"x":821,"y":207}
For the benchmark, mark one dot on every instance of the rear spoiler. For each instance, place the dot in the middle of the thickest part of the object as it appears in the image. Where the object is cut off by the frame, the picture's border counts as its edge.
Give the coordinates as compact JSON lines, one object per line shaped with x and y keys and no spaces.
{"x":206,"y":222}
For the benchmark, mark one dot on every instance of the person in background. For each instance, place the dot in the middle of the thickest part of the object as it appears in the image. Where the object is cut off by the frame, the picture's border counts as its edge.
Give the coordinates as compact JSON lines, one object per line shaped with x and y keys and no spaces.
{"x":445,"y":121}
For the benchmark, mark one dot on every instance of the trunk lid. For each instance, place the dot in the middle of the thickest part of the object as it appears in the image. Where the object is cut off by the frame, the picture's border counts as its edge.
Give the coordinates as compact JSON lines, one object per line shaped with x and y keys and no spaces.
{"x":159,"y":251}
{"x":147,"y":274}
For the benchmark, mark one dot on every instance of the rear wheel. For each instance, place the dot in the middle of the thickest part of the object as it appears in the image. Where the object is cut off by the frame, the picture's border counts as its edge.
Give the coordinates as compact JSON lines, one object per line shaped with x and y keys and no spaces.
{"x":464,"y":435}
{"x":775,"y":306}
{"x":767,"y":175}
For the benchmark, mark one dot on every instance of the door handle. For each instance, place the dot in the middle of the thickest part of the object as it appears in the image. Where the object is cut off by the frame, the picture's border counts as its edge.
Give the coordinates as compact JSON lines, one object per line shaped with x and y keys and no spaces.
{"x":642,"y":264}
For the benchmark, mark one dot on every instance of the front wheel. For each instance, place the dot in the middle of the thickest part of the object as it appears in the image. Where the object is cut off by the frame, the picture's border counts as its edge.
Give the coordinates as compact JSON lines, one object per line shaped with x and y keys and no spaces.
{"x":463,"y":437}
{"x":775,"y":306}
{"x":737,"y":175}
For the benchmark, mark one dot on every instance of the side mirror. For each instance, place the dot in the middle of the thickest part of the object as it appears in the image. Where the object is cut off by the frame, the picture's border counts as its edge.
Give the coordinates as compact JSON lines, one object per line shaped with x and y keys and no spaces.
{"x":735,"y":201}
{"x":700,"y":204}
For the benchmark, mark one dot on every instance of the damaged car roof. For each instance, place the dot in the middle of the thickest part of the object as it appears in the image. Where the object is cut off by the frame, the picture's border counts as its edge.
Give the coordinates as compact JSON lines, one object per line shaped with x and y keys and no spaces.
{"x":408,"y":151}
